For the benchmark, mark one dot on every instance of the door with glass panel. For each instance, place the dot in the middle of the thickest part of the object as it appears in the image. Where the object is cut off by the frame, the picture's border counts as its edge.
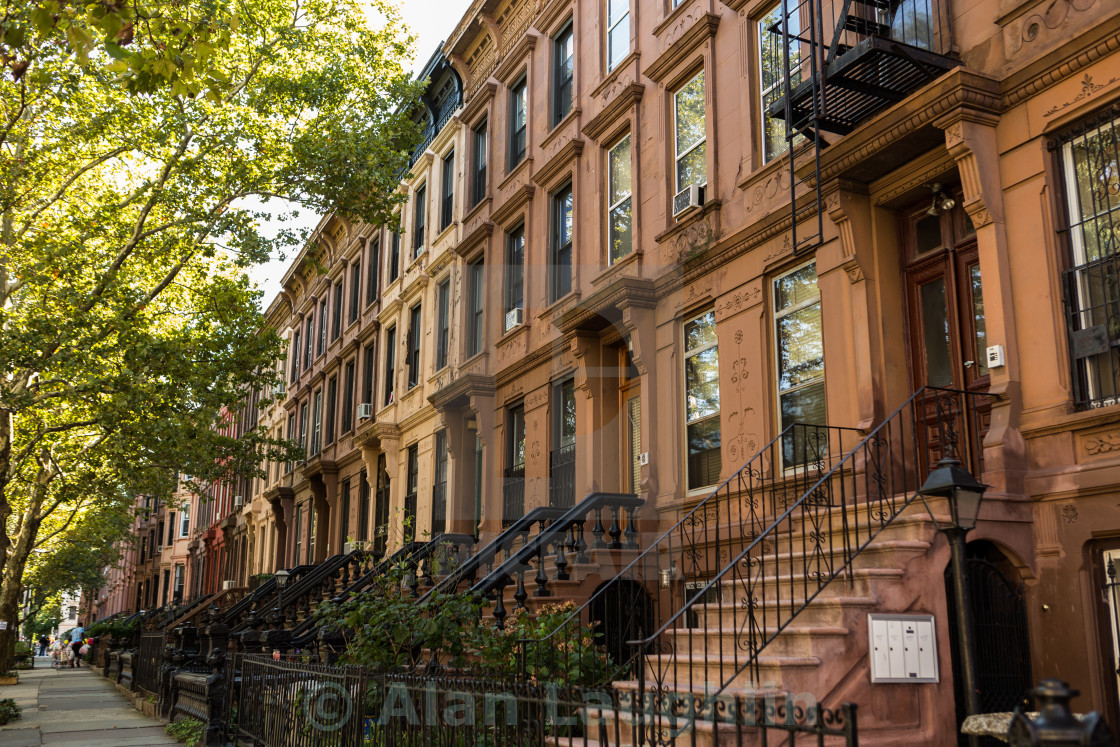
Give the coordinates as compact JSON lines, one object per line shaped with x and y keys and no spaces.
{"x":948,"y":334}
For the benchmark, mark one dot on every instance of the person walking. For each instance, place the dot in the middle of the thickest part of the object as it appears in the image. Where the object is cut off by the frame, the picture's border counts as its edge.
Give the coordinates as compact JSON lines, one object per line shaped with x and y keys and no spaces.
{"x":43,"y":643}
{"x":76,"y":645}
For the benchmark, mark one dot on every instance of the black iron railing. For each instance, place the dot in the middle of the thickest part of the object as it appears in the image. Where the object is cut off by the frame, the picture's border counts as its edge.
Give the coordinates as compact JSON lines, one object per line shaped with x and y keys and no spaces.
{"x":513,"y":494}
{"x":653,"y":585}
{"x":146,"y":664}
{"x":562,"y":476}
{"x":810,"y":541}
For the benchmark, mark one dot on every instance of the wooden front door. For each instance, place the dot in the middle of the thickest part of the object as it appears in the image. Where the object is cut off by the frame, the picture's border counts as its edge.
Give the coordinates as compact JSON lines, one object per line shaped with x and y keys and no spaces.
{"x":948,"y":334}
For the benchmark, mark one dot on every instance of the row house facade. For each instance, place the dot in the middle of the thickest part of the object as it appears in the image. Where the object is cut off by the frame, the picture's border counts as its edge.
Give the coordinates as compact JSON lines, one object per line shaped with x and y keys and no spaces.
{"x":609,"y":275}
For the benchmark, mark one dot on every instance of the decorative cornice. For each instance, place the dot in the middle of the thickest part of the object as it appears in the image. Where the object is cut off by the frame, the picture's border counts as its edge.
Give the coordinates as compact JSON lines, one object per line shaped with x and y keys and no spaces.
{"x":564,"y":156}
{"x":681,"y":39}
{"x":601,"y":308}
{"x":478,"y":102}
{"x":516,"y":56}
{"x":457,"y":394}
{"x":512,"y":204}
{"x":550,"y":15}
{"x":478,"y":233}
{"x":618,"y":103}
{"x":1058,"y":66}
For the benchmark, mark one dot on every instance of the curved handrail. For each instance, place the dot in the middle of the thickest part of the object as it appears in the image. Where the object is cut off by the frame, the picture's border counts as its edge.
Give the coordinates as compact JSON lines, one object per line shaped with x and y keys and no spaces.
{"x":876,"y":450}
{"x":309,"y":581}
{"x":749,"y":478}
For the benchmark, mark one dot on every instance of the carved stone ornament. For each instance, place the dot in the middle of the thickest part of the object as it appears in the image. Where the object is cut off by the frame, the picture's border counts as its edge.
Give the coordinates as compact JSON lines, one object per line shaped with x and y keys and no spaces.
{"x":1102,"y":443}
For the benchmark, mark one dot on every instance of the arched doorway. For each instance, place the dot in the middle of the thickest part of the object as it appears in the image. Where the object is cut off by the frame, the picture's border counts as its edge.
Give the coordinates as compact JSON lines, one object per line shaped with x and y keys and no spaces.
{"x":624,"y":612}
{"x":999,"y":619}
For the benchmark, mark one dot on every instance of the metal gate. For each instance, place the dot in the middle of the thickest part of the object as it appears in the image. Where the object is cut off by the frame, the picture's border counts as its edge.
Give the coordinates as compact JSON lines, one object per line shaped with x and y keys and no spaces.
{"x":1003,"y":660}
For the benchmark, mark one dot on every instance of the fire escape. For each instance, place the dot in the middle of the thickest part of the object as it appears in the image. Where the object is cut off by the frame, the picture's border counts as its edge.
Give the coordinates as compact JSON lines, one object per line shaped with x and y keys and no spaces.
{"x":841,"y":62}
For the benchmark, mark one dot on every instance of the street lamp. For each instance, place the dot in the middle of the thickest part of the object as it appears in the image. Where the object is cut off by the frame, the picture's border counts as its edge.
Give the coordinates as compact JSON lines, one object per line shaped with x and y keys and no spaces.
{"x":281,"y":581}
{"x":963,"y":494}
{"x":1056,"y":724}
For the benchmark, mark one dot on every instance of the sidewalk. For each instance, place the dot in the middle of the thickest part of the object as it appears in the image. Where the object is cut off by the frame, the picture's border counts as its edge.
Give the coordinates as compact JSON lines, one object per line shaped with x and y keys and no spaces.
{"x":75,"y":708}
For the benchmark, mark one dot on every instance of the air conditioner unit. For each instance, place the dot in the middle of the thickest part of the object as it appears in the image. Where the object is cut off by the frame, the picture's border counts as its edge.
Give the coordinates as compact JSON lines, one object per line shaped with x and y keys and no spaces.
{"x":350,"y":547}
{"x":228,"y":585}
{"x":238,"y":501}
{"x":365,"y":411}
{"x":513,"y":318}
{"x":159,"y":548}
{"x":688,"y":199}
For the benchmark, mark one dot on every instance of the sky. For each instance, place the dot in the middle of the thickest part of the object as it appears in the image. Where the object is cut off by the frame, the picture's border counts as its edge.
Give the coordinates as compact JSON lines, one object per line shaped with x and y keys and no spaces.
{"x":432,"y":21}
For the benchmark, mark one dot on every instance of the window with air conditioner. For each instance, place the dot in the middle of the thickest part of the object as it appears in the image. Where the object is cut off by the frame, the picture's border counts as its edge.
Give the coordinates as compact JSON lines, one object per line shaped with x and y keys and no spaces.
{"x":515,"y":277}
{"x":690,"y":143}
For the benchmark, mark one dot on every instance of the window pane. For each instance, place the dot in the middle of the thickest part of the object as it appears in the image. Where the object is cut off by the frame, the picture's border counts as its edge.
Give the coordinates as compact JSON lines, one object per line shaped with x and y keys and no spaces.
{"x":565,"y":219}
{"x":618,"y":39}
{"x":703,"y":453}
{"x":702,"y":382}
{"x":693,"y":168}
{"x":621,"y":234}
{"x":806,"y":405}
{"x":800,"y":347}
{"x":978,"y":322}
{"x":620,"y":170}
{"x":935,"y":334}
{"x":797,"y":287}
{"x":690,"y":114}
{"x":700,"y":331}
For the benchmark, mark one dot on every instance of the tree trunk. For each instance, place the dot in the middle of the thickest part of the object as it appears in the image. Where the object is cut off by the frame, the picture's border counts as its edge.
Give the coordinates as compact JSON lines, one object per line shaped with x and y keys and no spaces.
{"x":12,"y":583}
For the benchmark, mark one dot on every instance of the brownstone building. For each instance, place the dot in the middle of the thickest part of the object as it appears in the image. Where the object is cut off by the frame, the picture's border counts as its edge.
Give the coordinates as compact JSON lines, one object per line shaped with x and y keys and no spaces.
{"x":610,"y":278}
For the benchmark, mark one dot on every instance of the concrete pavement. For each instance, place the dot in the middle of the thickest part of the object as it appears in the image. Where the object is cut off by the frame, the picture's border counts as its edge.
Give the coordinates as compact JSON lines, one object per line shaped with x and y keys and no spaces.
{"x":75,"y":708}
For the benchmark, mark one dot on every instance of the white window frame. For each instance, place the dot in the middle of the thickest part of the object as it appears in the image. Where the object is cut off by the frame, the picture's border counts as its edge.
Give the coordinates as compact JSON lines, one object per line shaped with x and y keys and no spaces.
{"x":688,"y":353}
{"x":185,"y":521}
{"x":612,"y":24}
{"x":702,"y":142}
{"x":779,"y":315}
{"x":629,"y":196}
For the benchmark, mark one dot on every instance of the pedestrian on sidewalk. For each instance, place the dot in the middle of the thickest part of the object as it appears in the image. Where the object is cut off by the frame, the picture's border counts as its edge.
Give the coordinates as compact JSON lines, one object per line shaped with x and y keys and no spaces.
{"x":43,"y":643}
{"x":76,"y":645}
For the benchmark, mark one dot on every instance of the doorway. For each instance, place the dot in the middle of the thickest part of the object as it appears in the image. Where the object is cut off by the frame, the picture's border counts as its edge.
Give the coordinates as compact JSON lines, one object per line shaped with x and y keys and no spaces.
{"x":945,"y":312}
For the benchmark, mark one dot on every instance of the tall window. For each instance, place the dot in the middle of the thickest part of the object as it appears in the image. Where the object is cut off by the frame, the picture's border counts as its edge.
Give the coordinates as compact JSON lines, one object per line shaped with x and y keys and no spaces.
{"x":619,"y":203}
{"x":690,"y":133}
{"x":618,"y":31}
{"x":562,"y":460}
{"x":309,"y":335}
{"x":513,"y":488}
{"x":303,"y":423}
{"x":419,"y":219}
{"x":412,"y":490}
{"x":390,"y":363}
{"x":701,"y":374}
{"x":295,"y":354}
{"x":518,"y":98}
{"x":363,"y":507}
{"x":317,"y":422}
{"x":563,"y":56}
{"x":478,"y":178}
{"x":771,"y":71}
{"x":560,"y":283}
{"x":394,"y":256}
{"x":291,"y":437}
{"x":367,"y":375}
{"x":474,"y":311}
{"x":336,"y":318}
{"x":515,"y":275}
{"x":348,"y":399}
{"x":414,"y":334}
{"x":371,"y":273}
{"x":185,"y":520}
{"x":447,"y":191}
{"x":322,"y":326}
{"x":439,"y":486}
{"x":311,"y":522}
{"x":800,"y":350}
{"x":171,"y":527}
{"x":179,"y":570}
{"x":299,"y":535}
{"x":355,"y":290}
{"x":344,"y":514}
{"x":443,"y":331}
{"x":1091,"y":162}
{"x":332,"y":405}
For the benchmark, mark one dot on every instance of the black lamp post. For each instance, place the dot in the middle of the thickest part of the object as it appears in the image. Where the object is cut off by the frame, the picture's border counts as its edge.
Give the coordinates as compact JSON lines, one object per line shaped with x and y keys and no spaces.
{"x":281,"y":581}
{"x":963,"y":494}
{"x":1056,"y":724}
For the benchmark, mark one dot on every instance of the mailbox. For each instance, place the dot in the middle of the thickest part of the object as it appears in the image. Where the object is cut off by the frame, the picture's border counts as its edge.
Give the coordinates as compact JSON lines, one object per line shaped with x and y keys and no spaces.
{"x":903,"y":648}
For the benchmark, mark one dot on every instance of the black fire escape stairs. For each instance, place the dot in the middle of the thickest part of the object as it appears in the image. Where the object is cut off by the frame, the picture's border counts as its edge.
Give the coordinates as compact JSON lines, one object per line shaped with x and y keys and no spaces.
{"x":839,"y":70}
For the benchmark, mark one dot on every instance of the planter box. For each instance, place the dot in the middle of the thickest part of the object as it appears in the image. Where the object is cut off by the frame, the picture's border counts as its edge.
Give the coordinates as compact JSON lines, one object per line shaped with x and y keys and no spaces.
{"x":13,"y":680}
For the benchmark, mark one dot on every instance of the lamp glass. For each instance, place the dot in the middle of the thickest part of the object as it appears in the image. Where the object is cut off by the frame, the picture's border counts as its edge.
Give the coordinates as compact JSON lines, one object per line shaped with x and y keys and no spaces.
{"x":281,"y":578}
{"x":967,"y":507}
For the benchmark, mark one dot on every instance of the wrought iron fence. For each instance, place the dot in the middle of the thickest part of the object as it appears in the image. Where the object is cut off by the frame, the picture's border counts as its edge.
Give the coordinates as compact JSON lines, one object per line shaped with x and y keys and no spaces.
{"x":513,"y":495}
{"x":299,"y":705}
{"x":146,"y":663}
{"x":562,"y":477}
{"x":294,"y":704}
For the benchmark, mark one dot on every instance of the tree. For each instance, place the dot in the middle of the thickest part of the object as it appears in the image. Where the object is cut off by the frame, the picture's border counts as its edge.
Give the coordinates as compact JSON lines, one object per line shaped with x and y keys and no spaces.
{"x":127,"y":324}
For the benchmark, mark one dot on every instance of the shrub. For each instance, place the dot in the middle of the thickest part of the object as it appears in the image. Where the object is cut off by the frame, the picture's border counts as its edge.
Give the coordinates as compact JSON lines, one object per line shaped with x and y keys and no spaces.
{"x":189,"y":731}
{"x":9,"y":711}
